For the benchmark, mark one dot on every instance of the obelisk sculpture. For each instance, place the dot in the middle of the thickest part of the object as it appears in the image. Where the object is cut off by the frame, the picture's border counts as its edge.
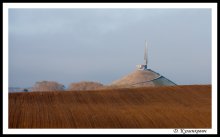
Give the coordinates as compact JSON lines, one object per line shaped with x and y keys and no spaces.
{"x":145,"y":55}
{"x":144,"y":66}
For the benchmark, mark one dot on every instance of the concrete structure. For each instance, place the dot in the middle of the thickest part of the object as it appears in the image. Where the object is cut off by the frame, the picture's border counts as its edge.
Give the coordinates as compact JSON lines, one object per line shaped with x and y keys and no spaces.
{"x":144,"y":67}
{"x":143,"y":77}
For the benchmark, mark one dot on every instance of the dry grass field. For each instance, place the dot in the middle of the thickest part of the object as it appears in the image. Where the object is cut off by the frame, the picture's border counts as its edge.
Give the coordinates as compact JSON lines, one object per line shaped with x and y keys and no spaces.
{"x":155,"y":107}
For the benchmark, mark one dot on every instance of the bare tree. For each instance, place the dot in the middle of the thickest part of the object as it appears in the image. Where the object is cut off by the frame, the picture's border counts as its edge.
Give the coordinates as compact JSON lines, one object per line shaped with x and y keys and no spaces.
{"x":85,"y":85}
{"x":48,"y":86}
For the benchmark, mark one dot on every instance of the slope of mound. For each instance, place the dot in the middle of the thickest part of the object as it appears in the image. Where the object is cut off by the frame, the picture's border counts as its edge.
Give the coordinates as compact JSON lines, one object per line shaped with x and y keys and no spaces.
{"x":160,"y":107}
{"x":136,"y":77}
{"x":140,"y":78}
{"x":163,"y":81}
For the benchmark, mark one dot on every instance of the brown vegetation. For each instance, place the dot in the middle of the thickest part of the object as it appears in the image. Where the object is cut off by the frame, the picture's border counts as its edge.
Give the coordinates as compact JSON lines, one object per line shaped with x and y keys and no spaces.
{"x":158,"y":107}
{"x":85,"y":85}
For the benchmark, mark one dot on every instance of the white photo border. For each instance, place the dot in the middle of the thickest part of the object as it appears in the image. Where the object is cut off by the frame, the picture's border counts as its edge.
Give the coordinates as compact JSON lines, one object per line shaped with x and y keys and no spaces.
{"x":7,"y":6}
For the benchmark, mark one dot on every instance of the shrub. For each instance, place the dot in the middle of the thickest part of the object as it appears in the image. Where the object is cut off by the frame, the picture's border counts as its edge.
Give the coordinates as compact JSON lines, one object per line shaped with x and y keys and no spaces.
{"x":48,"y":86}
{"x":85,"y":85}
{"x":25,"y":90}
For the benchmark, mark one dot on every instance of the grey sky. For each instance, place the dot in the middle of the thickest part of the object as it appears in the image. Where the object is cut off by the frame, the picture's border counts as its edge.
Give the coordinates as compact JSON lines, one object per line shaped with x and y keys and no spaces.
{"x":72,"y":45}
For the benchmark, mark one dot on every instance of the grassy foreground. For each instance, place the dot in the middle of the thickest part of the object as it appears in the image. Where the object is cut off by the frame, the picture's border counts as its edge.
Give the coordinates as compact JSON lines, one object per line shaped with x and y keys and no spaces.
{"x":160,"y":107}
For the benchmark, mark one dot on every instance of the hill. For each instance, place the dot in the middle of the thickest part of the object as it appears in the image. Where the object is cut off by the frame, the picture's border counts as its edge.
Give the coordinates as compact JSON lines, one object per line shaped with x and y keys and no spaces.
{"x":143,"y":77}
{"x":146,"y":107}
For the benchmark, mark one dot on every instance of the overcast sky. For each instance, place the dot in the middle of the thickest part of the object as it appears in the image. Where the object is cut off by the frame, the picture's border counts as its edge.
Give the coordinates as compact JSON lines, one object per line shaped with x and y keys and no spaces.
{"x":72,"y":45}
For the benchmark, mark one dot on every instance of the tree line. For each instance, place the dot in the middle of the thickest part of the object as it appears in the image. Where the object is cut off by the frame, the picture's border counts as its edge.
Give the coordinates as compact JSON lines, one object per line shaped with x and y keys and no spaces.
{"x":55,"y":86}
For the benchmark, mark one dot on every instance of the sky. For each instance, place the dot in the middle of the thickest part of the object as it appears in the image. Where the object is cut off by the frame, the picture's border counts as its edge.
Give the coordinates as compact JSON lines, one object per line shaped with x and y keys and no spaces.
{"x":102,"y":45}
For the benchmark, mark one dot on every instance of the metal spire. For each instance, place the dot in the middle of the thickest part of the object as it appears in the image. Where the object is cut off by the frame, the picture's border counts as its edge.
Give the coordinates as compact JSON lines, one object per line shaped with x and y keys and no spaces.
{"x":145,"y":53}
